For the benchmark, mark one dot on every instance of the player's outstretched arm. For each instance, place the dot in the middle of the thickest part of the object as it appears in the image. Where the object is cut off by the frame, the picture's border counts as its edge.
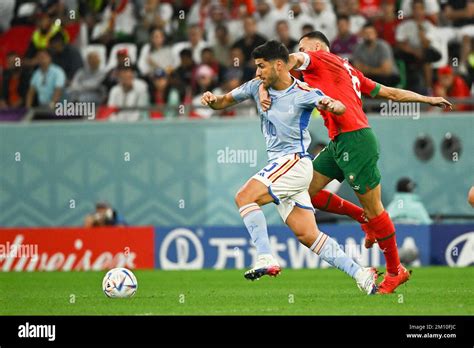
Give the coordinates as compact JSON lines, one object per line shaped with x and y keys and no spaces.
{"x":295,"y":60}
{"x":217,"y":102}
{"x":402,"y":95}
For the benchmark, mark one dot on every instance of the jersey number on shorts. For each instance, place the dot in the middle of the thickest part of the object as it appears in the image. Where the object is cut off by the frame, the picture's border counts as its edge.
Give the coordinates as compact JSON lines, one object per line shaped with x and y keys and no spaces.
{"x":268,"y":168}
{"x":355,"y":79}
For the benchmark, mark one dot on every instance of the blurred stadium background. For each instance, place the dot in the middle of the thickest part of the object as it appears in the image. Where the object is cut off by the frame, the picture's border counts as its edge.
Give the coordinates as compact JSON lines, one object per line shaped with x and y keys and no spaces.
{"x":100,"y":124}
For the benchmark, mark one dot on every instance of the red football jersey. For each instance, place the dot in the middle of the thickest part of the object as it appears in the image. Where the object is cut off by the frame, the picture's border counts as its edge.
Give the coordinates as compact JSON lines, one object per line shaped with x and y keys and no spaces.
{"x":339,"y":80}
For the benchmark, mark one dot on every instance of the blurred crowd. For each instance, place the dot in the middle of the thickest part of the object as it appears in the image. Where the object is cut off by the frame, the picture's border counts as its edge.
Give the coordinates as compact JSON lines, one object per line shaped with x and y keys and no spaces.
{"x":126,"y":54}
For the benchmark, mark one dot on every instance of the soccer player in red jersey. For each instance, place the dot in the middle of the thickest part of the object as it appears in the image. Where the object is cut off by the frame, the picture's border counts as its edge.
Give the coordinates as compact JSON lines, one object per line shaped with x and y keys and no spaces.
{"x":352,"y":153}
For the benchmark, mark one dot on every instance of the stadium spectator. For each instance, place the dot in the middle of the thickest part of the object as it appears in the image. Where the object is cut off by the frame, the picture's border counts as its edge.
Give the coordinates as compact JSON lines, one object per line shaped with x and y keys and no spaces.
{"x":208,"y":58}
{"x":432,"y":10}
{"x":155,"y":54}
{"x":205,"y":81}
{"x":123,"y":60}
{"x":237,"y":67}
{"x":117,"y":24}
{"x":414,"y":38}
{"x":307,"y":28}
{"x":374,"y":57}
{"x":283,"y":35}
{"x":281,"y":8}
{"x":104,"y":215}
{"x":461,"y":14}
{"x":450,"y":84}
{"x":345,"y":41}
{"x":87,"y":84}
{"x":152,"y":14}
{"x":130,"y":92}
{"x":406,"y":207}
{"x":14,"y":83}
{"x":168,"y":93}
{"x":216,"y":23}
{"x":185,"y":71}
{"x":266,"y":19}
{"x":351,"y":9}
{"x":65,"y":55}
{"x":47,"y":83}
{"x":195,"y":43}
{"x":198,"y":13}
{"x":324,"y":18}
{"x":218,"y":17}
{"x":298,"y":17}
{"x":223,"y":44}
{"x":251,"y":39}
{"x":45,"y":30}
{"x":387,"y":24}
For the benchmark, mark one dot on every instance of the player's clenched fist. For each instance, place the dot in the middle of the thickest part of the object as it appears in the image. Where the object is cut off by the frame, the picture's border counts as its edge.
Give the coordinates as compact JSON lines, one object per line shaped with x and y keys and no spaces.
{"x":332,"y":105}
{"x":208,"y":98}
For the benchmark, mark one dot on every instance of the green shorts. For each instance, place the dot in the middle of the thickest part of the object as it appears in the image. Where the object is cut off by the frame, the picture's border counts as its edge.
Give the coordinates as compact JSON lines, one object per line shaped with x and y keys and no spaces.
{"x":351,"y":156}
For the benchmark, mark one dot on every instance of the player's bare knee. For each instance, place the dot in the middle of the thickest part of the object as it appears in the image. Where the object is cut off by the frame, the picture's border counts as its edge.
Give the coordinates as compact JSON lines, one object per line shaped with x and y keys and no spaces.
{"x":243,"y":197}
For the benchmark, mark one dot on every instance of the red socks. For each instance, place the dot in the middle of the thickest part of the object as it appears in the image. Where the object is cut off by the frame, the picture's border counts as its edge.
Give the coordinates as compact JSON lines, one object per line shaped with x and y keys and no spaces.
{"x":381,"y":226}
{"x":330,"y":202}
{"x":384,"y":230}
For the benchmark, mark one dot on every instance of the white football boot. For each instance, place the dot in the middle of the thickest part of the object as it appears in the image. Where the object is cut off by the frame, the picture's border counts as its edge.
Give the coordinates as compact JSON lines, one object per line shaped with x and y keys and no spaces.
{"x":265,"y":265}
{"x":366,"y":279}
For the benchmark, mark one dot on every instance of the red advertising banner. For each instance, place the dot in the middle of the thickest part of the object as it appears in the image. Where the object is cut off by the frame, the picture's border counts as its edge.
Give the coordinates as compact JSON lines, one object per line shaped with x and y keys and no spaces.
{"x":76,"y":249}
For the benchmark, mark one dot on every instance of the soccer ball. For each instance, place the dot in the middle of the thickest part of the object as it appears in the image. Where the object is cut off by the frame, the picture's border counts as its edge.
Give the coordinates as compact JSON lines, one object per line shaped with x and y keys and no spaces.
{"x":119,"y":283}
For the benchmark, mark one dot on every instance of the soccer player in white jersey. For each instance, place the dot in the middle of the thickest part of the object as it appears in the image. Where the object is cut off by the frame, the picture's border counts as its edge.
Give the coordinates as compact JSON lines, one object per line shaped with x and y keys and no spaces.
{"x":285,"y":180}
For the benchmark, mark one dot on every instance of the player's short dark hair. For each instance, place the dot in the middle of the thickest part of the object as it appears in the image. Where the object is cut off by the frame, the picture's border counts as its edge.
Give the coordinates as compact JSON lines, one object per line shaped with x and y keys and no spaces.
{"x":369,"y":24}
{"x":318,"y":36}
{"x":186,"y":53}
{"x":207,"y":49}
{"x":343,"y":17}
{"x":223,"y":28}
{"x":271,"y":50}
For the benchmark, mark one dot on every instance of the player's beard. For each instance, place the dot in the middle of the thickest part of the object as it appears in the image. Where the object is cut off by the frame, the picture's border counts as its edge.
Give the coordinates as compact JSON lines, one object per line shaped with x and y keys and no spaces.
{"x":273,"y":78}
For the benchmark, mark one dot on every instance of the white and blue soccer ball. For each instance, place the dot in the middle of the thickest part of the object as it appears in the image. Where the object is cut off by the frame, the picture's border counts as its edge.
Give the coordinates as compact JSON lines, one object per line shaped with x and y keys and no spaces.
{"x":119,"y":283}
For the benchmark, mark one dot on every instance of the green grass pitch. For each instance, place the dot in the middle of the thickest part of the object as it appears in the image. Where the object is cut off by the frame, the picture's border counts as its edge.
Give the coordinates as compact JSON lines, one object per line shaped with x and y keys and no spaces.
{"x":431,"y":291}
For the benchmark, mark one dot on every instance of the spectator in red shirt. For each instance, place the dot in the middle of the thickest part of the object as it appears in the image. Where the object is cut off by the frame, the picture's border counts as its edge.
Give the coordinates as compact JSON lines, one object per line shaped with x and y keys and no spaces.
{"x":387,"y":24}
{"x":451,"y":85}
